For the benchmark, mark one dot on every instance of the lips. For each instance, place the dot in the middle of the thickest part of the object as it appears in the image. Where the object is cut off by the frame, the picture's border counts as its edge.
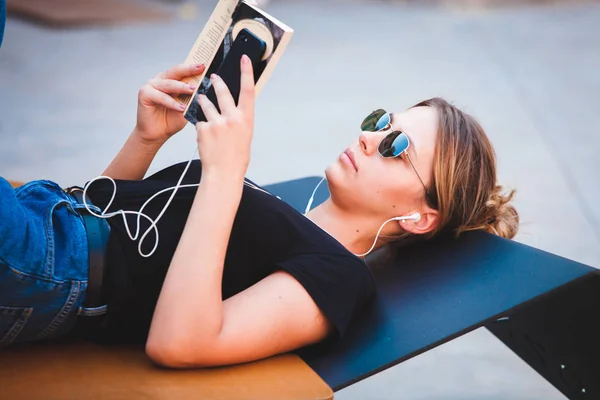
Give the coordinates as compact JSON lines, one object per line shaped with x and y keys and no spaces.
{"x":350,"y":155}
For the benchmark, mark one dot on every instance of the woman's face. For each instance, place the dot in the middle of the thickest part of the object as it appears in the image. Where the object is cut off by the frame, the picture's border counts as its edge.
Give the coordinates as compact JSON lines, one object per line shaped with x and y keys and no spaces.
{"x":365,"y":182}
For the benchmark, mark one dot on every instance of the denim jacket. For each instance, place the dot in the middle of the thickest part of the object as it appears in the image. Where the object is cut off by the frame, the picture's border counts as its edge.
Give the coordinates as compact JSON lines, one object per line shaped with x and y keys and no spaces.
{"x":43,"y":262}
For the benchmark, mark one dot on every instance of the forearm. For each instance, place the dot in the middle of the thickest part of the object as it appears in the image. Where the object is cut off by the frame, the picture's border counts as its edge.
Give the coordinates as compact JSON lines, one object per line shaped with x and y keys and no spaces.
{"x":133,"y":160}
{"x":189,"y":312}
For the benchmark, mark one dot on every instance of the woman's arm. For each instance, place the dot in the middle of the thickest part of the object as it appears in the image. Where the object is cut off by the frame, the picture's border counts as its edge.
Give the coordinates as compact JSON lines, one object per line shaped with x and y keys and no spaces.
{"x":189,"y":309}
{"x":192,"y":325}
{"x":159,"y":116}
{"x":134,"y":158}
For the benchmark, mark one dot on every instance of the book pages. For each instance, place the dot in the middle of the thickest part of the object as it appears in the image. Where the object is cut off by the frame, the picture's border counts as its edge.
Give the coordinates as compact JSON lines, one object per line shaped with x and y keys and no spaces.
{"x":208,"y":42}
{"x":218,"y":36}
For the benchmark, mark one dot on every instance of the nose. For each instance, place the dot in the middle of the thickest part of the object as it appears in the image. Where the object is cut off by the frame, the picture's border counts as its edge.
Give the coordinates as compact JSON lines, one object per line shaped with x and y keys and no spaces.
{"x":368,"y":142}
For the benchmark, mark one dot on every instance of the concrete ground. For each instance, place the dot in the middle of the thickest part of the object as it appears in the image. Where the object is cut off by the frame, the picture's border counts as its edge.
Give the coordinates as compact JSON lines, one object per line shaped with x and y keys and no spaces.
{"x":531,"y":76}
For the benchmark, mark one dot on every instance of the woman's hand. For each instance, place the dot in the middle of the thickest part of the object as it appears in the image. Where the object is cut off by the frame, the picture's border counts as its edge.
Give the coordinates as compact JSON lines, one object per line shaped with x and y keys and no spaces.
{"x":160,"y":116}
{"x":224,"y":139}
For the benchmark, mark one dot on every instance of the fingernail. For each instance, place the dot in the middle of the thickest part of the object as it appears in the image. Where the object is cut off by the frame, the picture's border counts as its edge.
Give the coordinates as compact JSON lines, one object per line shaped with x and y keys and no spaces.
{"x":199,"y":66}
{"x":193,"y":87}
{"x":182,"y":107}
{"x":245,"y":59}
{"x":213,"y":76}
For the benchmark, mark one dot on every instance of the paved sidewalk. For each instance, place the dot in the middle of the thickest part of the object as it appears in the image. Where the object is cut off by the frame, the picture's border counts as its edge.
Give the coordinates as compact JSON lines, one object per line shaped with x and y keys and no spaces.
{"x":531,"y":76}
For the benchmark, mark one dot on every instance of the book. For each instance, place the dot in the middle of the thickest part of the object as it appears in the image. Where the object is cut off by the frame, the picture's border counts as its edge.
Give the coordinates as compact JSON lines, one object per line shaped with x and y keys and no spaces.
{"x":212,"y":45}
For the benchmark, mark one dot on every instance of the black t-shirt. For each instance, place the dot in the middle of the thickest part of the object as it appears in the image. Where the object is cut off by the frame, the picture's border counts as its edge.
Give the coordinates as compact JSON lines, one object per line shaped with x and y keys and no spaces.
{"x":267,"y":235}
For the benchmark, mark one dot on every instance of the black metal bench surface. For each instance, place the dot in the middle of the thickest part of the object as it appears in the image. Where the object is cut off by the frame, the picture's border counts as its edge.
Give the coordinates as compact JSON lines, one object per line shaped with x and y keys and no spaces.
{"x":544,"y":307}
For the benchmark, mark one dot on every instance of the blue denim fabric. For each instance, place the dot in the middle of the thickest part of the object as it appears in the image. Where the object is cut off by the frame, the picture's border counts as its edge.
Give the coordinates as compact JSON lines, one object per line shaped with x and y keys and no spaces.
{"x":2,"y":19}
{"x":43,"y":262}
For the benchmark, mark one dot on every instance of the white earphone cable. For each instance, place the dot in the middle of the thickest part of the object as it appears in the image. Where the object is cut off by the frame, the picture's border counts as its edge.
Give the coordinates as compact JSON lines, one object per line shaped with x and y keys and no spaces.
{"x":414,"y":217}
{"x":376,"y":237}
{"x":104,"y":215}
{"x":139,"y":213}
{"x":312,"y":197}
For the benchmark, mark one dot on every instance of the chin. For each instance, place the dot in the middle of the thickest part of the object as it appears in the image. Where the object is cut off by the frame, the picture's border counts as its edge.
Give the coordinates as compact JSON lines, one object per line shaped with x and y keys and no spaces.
{"x":336,"y":180}
{"x":332,"y":174}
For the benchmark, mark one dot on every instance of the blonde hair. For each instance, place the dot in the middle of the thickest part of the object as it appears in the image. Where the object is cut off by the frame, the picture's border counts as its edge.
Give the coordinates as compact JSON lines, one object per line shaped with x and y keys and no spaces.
{"x":464,"y":188}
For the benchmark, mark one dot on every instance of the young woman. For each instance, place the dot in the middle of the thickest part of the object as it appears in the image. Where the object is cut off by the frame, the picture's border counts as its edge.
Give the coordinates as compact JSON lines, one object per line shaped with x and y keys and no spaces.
{"x":237,"y":274}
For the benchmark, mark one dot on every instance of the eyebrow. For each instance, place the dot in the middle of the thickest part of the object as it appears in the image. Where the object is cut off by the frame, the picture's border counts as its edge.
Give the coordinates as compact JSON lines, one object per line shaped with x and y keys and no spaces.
{"x":413,"y":147}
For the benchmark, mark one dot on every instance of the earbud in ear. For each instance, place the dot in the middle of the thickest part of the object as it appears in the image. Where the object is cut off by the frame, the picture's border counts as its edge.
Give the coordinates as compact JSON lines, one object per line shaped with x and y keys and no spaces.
{"x":412,"y":217}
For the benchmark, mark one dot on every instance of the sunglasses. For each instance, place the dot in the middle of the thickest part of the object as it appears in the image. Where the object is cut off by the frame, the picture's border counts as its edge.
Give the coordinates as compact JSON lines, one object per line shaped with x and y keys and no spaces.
{"x":394,"y":144}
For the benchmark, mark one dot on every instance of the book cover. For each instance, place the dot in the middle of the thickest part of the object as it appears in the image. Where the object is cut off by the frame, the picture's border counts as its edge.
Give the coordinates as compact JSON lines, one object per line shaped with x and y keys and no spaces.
{"x":212,"y":46}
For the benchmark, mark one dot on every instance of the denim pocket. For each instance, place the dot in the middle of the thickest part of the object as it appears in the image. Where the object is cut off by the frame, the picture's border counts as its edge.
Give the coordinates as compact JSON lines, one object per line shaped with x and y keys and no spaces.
{"x":12,"y":321}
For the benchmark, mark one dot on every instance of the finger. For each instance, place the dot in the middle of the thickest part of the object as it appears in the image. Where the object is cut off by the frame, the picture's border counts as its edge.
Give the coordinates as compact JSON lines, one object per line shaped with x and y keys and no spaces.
{"x":246,"y":99}
{"x":200,"y":126}
{"x":172,"y":86}
{"x":210,"y":111}
{"x":224,"y":97}
{"x":150,"y":93}
{"x":181,"y":71}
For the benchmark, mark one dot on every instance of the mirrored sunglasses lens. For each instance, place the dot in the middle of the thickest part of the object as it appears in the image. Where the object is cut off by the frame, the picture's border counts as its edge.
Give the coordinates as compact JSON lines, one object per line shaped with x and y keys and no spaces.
{"x":383,"y":122}
{"x":386,"y":146}
{"x":400,"y":144}
{"x":369,"y":124}
{"x":393,"y":144}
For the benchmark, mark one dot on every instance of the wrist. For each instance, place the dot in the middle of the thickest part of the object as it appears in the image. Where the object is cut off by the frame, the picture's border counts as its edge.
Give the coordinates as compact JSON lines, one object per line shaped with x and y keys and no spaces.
{"x":145,"y":145}
{"x":222,"y":177}
{"x":224,"y":187}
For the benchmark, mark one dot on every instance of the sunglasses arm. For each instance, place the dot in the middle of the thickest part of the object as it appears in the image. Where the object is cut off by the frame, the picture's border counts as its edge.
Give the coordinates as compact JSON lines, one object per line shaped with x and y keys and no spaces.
{"x":418,"y":176}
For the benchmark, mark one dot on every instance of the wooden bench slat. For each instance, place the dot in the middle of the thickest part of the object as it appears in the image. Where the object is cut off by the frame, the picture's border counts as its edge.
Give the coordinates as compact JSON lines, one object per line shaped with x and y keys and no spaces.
{"x":79,"y":370}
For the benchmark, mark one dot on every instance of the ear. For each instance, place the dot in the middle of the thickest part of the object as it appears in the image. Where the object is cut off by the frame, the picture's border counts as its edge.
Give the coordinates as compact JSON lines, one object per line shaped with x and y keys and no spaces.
{"x":428,"y":222}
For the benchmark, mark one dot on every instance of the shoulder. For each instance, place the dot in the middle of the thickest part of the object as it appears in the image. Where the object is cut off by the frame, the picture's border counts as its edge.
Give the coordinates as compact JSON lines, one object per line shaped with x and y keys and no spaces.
{"x":340,"y":284}
{"x":344,"y":266}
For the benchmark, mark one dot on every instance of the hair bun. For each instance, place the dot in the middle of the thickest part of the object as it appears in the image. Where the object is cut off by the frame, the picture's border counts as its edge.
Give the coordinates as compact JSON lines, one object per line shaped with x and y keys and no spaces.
{"x":503,"y":219}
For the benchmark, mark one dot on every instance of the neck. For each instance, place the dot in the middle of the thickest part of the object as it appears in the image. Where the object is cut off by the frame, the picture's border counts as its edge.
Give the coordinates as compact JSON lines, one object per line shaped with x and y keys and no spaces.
{"x":354,"y":231}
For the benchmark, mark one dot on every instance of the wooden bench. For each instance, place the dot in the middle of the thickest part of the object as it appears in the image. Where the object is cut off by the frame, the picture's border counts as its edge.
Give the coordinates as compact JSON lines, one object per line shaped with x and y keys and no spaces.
{"x":82,"y":370}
